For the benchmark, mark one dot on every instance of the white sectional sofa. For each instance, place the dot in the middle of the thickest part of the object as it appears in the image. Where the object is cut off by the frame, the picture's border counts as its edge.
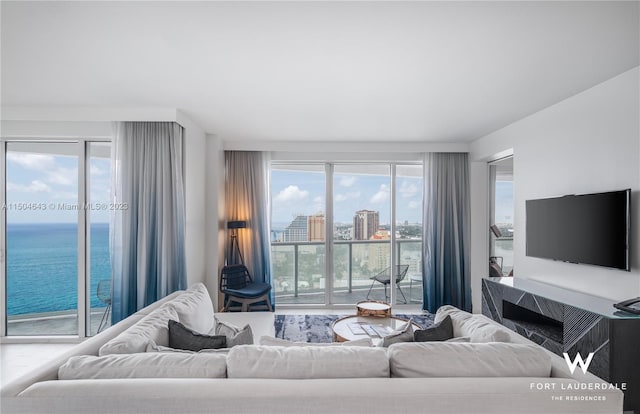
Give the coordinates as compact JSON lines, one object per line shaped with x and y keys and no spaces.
{"x":442,"y":377}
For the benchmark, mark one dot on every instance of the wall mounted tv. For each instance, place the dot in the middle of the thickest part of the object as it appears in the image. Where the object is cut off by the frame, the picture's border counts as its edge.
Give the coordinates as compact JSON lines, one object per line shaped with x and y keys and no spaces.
{"x":589,"y":228}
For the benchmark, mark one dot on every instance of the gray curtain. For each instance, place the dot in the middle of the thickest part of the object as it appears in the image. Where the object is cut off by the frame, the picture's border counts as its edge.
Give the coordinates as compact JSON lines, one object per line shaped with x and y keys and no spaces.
{"x":446,"y":274}
{"x":247,"y":198}
{"x":147,"y":234}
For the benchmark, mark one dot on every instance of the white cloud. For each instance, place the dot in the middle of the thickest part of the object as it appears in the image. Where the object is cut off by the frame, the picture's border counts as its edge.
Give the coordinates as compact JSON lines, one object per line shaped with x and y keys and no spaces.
{"x":63,"y":176}
{"x":36,"y":162}
{"x":414,"y":204}
{"x":35,"y":187}
{"x":318,"y":199}
{"x":408,"y":189}
{"x":95,"y":170}
{"x":47,"y":165}
{"x":347,"y":196}
{"x":382,"y":195}
{"x":348,"y":181}
{"x":291,"y":193}
{"x":67,"y":195}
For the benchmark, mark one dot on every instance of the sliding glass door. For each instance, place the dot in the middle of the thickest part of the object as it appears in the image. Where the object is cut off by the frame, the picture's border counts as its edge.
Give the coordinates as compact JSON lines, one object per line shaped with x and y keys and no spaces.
{"x":298,"y":237}
{"x":362,"y":231}
{"x":372,"y":213}
{"x":501,"y":217}
{"x":56,"y":234}
{"x":42,"y":238}
{"x":98,"y":257}
{"x":408,"y":240}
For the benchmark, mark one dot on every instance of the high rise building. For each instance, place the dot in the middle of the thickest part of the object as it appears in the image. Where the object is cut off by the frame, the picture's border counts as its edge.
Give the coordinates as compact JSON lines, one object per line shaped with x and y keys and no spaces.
{"x":365,"y":224}
{"x":296,"y":231}
{"x":315,"y":227}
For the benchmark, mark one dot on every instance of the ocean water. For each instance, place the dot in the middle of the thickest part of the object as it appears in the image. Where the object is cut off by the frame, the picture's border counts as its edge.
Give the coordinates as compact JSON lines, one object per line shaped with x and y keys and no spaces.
{"x":42,"y":266}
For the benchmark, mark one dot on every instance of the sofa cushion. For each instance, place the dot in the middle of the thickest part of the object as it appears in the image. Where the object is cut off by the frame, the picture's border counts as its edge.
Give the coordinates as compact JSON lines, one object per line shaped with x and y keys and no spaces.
{"x":145,"y":365}
{"x":478,"y":327}
{"x":458,"y":317}
{"x":489,"y":333}
{"x":271,"y":341}
{"x":181,"y":337}
{"x":459,"y":339}
{"x":441,"y":331}
{"x":404,"y":333}
{"x":153,"y":327}
{"x":194,"y":308}
{"x":451,"y":359}
{"x":152,"y":347}
{"x":255,"y":361}
{"x":235,"y":335}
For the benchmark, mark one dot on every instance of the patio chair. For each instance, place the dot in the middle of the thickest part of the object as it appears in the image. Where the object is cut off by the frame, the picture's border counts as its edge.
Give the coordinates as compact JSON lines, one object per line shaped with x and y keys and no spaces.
{"x":103,"y":292}
{"x":238,"y":286}
{"x":384,"y":277}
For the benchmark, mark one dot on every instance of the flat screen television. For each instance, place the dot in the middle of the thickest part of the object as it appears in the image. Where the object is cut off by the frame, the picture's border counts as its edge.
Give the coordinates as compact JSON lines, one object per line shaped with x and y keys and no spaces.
{"x":589,"y":228}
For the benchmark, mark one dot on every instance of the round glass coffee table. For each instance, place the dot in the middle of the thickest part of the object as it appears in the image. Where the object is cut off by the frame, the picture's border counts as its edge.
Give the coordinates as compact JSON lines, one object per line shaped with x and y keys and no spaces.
{"x":355,"y":327}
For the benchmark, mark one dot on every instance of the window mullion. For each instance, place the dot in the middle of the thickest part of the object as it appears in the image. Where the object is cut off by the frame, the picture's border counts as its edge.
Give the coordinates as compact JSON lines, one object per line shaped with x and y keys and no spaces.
{"x":3,"y":239}
{"x":83,"y":260}
{"x":392,"y":227}
{"x":328,"y":238}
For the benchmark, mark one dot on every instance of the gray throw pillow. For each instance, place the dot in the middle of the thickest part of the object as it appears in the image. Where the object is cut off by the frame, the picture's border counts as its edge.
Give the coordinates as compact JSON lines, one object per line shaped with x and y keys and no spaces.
{"x":403,"y":334}
{"x":181,"y":337}
{"x":235,"y":335}
{"x":441,"y":331}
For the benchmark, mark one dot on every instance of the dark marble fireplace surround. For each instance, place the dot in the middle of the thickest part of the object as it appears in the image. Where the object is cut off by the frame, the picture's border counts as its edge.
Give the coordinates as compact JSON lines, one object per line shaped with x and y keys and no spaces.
{"x":562,"y":320}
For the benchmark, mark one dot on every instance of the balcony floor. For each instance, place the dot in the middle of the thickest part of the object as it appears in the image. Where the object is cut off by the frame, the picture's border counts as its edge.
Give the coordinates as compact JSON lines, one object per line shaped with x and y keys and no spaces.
{"x":53,"y":323}
{"x":343,"y":296}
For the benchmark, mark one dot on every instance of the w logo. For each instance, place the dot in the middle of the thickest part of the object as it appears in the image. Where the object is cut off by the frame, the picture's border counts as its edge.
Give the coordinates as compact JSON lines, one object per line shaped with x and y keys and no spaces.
{"x":584,"y":365}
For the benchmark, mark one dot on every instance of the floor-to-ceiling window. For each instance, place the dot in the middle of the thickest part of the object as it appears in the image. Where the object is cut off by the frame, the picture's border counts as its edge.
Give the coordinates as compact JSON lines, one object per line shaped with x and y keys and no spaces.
{"x":373,"y":214}
{"x":362,"y":230}
{"x":408,"y":212}
{"x":501,"y":217}
{"x":55,"y":225}
{"x":298,"y":233}
{"x":99,"y":261}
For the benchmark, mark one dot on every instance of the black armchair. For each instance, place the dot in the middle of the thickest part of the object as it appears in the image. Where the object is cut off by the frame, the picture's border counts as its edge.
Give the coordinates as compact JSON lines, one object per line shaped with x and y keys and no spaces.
{"x":238,"y":286}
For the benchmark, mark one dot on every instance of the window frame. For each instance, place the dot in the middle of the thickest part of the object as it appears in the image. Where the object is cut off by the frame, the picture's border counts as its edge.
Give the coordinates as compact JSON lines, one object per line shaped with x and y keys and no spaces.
{"x":329,"y":171}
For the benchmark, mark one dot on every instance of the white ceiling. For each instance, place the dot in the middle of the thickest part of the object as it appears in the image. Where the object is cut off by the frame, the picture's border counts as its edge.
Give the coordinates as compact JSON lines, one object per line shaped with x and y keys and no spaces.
{"x":358,"y":71}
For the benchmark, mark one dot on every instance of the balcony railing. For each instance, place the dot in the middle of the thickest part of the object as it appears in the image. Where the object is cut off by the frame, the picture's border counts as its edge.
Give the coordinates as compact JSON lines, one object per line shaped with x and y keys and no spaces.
{"x":299,"y":267}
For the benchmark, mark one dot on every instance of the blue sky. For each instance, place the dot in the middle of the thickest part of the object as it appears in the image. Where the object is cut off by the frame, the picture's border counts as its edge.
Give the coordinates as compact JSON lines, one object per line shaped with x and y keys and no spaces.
{"x":51,"y":182}
{"x":302,"y":192}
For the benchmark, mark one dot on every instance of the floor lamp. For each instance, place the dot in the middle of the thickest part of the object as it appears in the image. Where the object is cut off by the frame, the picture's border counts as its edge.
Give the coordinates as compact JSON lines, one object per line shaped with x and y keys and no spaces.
{"x":234,"y":226}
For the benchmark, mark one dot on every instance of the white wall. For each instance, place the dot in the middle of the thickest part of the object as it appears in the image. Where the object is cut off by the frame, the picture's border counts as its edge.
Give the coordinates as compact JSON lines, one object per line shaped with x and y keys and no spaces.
{"x":587,"y":143}
{"x":479,"y":187}
{"x":195,"y":190}
{"x":215,"y":204}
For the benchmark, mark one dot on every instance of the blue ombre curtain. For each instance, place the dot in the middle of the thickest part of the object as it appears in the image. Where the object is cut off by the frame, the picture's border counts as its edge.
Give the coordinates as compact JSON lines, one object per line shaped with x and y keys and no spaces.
{"x":247,"y":198}
{"x":147,"y":234}
{"x":446,"y":273}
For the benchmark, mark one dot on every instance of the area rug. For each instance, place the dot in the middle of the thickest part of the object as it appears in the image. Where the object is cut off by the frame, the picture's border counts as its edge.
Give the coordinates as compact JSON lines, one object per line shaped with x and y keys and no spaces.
{"x":317,"y":328}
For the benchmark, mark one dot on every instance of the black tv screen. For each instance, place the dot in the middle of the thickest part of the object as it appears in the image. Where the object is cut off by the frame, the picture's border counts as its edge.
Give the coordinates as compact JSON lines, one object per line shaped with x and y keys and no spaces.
{"x":589,"y":228}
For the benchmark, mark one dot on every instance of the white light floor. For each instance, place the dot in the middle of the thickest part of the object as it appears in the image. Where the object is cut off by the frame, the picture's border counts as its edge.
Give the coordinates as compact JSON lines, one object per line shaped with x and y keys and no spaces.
{"x":18,"y":359}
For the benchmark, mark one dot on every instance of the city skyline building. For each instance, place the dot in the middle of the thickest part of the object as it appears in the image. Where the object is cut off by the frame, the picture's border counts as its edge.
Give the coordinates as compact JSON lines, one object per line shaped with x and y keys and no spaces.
{"x":365,"y":224}
{"x":316,"y":227}
{"x":297,"y":230}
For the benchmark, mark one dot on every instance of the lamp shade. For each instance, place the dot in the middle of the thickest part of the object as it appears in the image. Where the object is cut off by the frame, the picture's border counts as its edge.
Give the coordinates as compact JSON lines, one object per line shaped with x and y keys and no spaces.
{"x":236,"y":224}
